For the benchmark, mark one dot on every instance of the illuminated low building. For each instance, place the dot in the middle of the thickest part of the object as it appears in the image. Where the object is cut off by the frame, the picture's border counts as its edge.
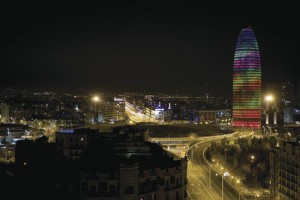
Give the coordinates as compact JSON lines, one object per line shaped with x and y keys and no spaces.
{"x":14,"y":130}
{"x":4,"y":113}
{"x":112,"y":110}
{"x":206,"y":116}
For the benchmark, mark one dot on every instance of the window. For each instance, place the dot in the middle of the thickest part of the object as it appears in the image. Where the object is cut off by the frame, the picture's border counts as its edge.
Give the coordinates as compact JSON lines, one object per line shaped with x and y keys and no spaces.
{"x":142,"y":187}
{"x":177,"y":195}
{"x":148,"y":182}
{"x":153,"y":197}
{"x":129,"y":189}
{"x":93,"y":188}
{"x":102,"y":186}
{"x":84,"y":186}
{"x":167,"y":197}
{"x":172,"y":179}
{"x":112,"y":188}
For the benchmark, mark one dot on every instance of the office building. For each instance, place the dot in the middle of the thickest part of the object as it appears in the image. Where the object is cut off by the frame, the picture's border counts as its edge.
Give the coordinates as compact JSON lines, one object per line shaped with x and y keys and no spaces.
{"x":246,"y":101}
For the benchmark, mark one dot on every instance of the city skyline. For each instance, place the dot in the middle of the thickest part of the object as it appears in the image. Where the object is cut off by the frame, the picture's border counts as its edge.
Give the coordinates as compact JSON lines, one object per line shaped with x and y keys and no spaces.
{"x":135,"y":47}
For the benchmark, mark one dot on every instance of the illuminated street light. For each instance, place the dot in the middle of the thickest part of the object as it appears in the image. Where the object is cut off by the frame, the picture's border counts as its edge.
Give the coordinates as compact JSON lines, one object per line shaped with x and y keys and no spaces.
{"x":225,"y":174}
{"x":289,"y":135}
{"x":238,"y":188}
{"x":252,"y":158}
{"x":96,"y":99}
{"x":268,"y":99}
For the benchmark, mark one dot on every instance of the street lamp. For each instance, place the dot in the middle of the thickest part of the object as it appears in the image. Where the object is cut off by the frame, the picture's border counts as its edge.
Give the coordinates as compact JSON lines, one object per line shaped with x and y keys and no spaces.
{"x":209,"y":174}
{"x":289,"y":135}
{"x":95,"y":99}
{"x":222,"y":187}
{"x":238,"y":184}
{"x":268,"y":99}
{"x":225,"y":174}
{"x":252,"y":158}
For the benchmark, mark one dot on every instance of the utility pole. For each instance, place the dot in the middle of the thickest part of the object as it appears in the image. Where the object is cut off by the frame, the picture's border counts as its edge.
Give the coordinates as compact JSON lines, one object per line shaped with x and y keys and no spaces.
{"x":209,"y":178}
{"x":222,"y":186}
{"x":169,"y":142}
{"x":192,"y":156}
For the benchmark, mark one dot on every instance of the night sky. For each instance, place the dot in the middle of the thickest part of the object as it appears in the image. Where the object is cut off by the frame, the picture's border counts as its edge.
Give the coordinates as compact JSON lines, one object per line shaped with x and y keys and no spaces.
{"x":135,"y":47}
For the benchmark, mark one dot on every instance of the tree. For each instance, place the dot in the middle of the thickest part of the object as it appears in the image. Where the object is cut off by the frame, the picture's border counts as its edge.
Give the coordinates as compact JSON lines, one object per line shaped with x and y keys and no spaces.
{"x":213,"y":146}
{"x":208,"y":154}
{"x":146,"y":135}
{"x":224,"y":142}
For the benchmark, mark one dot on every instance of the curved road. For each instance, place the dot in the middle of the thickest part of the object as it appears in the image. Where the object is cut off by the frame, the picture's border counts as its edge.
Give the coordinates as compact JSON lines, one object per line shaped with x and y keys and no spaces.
{"x":202,"y":186}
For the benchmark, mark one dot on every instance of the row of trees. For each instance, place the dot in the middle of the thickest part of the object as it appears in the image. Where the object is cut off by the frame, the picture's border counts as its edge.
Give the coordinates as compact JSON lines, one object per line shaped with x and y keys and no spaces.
{"x":247,"y":155}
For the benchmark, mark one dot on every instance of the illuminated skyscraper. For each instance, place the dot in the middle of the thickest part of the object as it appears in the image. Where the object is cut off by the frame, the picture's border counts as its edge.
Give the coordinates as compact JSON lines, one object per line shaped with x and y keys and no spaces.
{"x":246,"y":101}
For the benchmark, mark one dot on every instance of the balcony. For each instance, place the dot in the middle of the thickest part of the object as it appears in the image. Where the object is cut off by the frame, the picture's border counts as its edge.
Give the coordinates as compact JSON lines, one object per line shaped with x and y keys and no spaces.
{"x":172,"y":187}
{"x":99,"y":194}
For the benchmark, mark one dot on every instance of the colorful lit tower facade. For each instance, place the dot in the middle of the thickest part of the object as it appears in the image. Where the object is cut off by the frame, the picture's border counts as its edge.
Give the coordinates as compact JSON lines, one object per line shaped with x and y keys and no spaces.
{"x":246,"y":101}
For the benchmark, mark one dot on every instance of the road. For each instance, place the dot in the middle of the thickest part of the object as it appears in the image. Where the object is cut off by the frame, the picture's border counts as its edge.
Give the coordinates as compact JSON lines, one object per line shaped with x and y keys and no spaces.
{"x":201,"y":169}
{"x":137,"y":115}
{"x":199,"y":185}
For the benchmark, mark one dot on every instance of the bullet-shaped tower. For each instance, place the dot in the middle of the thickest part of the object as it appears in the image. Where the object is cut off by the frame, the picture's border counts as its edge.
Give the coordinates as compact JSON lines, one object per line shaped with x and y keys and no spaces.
{"x":246,"y":101}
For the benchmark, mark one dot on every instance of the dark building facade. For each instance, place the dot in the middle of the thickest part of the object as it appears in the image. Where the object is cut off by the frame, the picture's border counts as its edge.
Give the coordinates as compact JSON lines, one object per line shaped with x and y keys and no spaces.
{"x":285,"y":171}
{"x":131,"y":168}
{"x":86,"y":164}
